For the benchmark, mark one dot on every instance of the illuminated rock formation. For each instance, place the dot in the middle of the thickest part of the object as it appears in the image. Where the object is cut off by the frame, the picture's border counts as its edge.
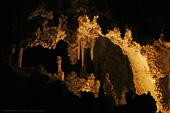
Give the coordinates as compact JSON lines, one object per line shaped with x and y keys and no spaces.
{"x":78,"y":85}
{"x":92,"y":85}
{"x":141,"y":64}
{"x":85,"y":38}
{"x":60,"y":72}
{"x":132,"y":64}
{"x":74,"y":83}
{"x":47,"y":36}
{"x":150,"y":63}
{"x":95,"y":88}
{"x":143,"y":79}
{"x":89,"y":83}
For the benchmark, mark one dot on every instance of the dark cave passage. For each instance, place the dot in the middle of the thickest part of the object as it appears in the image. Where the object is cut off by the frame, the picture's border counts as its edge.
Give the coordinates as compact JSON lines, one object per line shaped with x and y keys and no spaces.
{"x":33,"y":56}
{"x":88,"y":62}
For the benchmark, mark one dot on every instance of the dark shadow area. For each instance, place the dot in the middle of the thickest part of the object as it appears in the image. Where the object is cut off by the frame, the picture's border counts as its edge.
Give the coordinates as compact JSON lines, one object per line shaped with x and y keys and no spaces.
{"x":22,"y":93}
{"x":31,"y":93}
{"x":88,"y":62}
{"x":48,"y":57}
{"x":144,"y":103}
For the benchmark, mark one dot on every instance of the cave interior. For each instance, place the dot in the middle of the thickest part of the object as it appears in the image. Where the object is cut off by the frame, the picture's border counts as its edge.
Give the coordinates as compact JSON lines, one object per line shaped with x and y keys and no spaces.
{"x":34,"y":33}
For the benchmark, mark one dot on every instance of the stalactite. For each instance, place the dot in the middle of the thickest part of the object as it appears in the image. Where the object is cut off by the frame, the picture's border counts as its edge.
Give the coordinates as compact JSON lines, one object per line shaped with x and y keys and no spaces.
{"x":78,"y":51}
{"x":91,"y":49}
{"x":91,"y":54}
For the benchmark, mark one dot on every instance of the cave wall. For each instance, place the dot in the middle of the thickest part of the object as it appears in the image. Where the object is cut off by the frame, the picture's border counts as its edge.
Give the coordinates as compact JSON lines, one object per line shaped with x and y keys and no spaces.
{"x":143,"y":65}
{"x":158,"y":61}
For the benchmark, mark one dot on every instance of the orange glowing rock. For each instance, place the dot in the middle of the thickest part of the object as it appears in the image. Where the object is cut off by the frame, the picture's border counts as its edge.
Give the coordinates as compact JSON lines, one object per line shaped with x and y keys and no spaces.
{"x":150,"y":63}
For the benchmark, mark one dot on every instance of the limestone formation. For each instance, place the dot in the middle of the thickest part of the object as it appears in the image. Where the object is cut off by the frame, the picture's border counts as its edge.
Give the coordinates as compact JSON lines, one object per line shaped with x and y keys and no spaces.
{"x":95,"y":88}
{"x":60,"y":72}
{"x":78,"y":85}
{"x":20,"y":57}
{"x":109,"y":89}
{"x":85,"y":38}
{"x":47,"y":36}
{"x":74,"y":83}
{"x":91,"y":80}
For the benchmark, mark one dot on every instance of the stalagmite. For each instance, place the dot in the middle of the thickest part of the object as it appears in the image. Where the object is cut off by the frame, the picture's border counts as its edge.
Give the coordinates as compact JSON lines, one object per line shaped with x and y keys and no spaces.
{"x":20,"y":57}
{"x":59,"y":60}
{"x":109,"y":89}
{"x":60,"y":72}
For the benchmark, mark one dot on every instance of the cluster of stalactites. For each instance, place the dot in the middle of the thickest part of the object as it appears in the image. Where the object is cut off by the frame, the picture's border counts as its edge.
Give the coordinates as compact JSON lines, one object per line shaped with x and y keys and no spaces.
{"x":86,"y":36}
{"x":89,"y":31}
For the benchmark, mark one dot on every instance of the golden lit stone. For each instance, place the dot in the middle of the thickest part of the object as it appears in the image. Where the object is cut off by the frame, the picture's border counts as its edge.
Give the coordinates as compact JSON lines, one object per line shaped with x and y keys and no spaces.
{"x":150,"y":63}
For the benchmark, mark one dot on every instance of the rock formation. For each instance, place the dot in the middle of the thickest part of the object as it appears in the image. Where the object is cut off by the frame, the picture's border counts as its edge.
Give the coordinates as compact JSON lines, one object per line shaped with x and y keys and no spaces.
{"x":78,"y":85}
{"x":137,"y":67}
{"x":60,"y":72}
